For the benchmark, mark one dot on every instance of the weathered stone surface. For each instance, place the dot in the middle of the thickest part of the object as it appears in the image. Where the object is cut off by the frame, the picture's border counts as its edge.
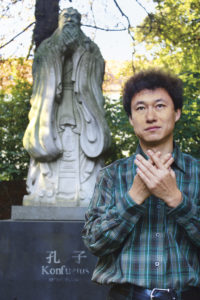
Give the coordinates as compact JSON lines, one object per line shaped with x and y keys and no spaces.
{"x":48,"y":213}
{"x":46,"y":261}
{"x":67,"y":132}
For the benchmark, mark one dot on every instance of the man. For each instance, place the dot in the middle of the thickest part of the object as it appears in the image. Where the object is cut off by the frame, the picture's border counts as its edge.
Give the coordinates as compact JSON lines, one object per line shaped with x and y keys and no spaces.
{"x":67,"y":132}
{"x":144,"y":218}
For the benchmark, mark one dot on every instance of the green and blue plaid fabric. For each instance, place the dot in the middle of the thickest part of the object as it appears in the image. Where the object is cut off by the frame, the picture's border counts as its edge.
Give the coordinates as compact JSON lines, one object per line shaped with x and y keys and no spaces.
{"x":150,"y":245}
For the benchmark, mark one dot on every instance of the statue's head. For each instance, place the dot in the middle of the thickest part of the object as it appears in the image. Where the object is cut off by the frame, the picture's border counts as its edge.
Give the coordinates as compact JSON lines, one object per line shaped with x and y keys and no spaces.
{"x":69,"y":16}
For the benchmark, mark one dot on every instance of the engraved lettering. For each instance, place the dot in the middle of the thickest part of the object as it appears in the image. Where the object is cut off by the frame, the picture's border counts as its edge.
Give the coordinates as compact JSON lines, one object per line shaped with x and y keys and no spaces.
{"x":52,"y":257}
{"x":79,"y":255}
{"x":44,"y":270}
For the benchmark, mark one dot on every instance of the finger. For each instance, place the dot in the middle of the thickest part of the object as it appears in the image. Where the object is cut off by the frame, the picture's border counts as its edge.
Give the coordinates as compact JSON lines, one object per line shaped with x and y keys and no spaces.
{"x":166,"y":157}
{"x":158,"y":154}
{"x":172,"y":173}
{"x":143,"y":177}
{"x":167,"y":160}
{"x":169,"y":163}
{"x":145,"y":166}
{"x":155,"y":159}
{"x":147,"y":163}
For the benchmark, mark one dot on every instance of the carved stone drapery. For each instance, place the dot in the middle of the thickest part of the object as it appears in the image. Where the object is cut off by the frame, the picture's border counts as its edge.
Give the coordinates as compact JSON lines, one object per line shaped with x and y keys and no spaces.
{"x":67,"y":132}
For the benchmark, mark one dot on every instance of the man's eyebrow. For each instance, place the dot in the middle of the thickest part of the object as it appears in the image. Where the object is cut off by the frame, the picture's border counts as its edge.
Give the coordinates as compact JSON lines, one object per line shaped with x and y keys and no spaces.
{"x":140,"y":102}
{"x":144,"y":102}
{"x":160,"y":99}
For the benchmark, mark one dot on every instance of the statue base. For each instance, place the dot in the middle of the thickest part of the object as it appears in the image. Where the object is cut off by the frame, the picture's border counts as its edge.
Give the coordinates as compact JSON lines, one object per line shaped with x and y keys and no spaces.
{"x":46,"y":260}
{"x":48,"y":213}
{"x":35,"y":200}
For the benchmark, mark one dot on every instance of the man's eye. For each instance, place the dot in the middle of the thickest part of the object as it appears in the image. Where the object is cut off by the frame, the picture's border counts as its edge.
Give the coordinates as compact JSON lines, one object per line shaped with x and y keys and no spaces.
{"x":140,"y":108}
{"x":160,"y":105}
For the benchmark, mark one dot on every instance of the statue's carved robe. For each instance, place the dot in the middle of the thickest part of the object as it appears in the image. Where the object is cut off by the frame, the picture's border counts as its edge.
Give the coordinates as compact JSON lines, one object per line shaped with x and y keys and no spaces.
{"x":67,"y":132}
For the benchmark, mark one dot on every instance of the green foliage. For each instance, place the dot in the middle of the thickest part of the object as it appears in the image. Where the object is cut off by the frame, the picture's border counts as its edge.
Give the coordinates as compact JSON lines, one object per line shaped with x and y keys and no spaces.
{"x":14,"y":107}
{"x":171,"y":37}
{"x":187,"y":132}
{"x":124,"y":141}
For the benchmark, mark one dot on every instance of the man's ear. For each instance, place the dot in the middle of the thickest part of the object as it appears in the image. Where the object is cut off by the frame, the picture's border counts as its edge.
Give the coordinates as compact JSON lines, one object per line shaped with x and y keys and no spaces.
{"x":131,"y":120}
{"x":178,"y":114}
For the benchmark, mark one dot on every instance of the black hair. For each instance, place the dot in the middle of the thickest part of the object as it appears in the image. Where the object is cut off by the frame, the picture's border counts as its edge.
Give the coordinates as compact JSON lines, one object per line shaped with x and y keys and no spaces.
{"x":151,"y":80}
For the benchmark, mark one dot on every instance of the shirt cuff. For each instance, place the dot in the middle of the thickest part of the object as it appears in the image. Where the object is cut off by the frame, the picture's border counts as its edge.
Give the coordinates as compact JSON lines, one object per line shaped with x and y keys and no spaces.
{"x":184,"y":211}
{"x":130,"y":210}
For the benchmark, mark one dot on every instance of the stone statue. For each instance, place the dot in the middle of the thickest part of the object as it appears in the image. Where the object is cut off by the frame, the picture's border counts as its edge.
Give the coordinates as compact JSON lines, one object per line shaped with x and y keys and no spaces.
{"x":67,"y":132}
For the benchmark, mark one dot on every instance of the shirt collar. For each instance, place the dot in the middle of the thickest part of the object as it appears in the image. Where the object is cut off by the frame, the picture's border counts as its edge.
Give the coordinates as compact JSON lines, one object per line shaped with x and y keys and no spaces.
{"x":177,"y":155}
{"x":178,"y":158}
{"x":140,"y":151}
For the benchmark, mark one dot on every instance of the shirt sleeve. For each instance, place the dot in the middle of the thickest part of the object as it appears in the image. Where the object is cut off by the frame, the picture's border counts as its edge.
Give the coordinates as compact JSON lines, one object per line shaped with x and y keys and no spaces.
{"x":187,"y":214}
{"x":109,"y":218}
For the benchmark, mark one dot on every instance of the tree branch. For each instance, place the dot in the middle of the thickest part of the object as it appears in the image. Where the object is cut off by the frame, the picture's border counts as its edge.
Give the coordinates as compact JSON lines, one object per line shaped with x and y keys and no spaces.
{"x":140,"y":4}
{"x":123,"y":15}
{"x":91,"y":8}
{"x":16,"y":35}
{"x":149,"y":15}
{"x":129,"y":32}
{"x":105,"y":29}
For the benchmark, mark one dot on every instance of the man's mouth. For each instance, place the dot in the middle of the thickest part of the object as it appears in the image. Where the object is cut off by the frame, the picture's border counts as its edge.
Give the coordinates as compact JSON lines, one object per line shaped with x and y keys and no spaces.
{"x":152,"y":128}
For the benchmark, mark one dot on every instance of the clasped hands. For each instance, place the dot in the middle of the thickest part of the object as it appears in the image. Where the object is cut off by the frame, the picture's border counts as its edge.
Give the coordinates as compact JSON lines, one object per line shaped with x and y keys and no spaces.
{"x":155,"y":176}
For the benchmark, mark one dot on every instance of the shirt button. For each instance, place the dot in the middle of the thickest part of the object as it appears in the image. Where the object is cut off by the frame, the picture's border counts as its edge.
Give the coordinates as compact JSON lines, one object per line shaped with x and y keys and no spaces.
{"x":157,"y":263}
{"x":157,"y":234}
{"x":158,"y":206}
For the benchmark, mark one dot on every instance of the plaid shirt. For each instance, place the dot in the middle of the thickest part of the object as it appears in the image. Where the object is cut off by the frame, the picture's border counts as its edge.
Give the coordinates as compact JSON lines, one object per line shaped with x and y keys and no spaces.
{"x":150,"y":245}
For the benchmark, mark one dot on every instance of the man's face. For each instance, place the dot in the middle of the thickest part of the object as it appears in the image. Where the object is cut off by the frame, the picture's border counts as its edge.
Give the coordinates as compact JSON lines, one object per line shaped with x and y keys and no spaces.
{"x":153,"y":117}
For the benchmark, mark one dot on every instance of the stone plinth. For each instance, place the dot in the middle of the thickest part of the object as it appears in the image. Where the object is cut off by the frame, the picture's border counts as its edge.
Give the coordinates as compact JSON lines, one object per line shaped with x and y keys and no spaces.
{"x":48,"y":213}
{"x":46,"y":260}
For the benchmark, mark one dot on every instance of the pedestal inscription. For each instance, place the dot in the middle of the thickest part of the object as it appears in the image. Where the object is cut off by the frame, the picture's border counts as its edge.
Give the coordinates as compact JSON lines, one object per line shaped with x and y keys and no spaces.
{"x":46,"y":261}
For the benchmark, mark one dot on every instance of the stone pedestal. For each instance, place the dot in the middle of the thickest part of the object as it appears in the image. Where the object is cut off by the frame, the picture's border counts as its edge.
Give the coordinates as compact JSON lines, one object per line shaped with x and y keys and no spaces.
{"x":46,"y":260}
{"x":45,"y":213}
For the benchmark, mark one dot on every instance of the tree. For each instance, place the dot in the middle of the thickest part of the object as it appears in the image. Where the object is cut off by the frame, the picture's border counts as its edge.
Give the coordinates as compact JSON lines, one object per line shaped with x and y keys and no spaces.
{"x":124,"y":141}
{"x":97,"y":15}
{"x":171,"y":37}
{"x":172,"y":34}
{"x":46,"y":15}
{"x":14,"y":107}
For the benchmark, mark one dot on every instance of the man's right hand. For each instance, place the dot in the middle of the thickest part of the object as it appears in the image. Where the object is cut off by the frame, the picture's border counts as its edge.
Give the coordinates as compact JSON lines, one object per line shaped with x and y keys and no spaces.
{"x":139,"y":191}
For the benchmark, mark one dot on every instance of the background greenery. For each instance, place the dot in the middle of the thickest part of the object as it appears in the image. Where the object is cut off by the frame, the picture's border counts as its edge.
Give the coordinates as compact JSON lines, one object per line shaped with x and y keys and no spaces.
{"x":14,"y":108}
{"x":171,"y":39}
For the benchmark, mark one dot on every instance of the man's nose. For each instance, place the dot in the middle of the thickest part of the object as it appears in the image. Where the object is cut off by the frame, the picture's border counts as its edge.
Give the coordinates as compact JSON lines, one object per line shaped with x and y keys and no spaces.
{"x":150,"y":115}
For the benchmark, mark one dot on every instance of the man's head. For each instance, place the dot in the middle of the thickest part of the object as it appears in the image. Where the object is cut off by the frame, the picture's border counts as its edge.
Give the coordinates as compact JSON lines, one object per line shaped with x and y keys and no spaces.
{"x":69,"y":16}
{"x":151,"y":80}
{"x":153,"y":102}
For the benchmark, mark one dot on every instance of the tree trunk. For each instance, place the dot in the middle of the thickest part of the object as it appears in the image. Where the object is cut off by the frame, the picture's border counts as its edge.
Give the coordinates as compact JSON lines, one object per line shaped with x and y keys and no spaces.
{"x":46,"y":15}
